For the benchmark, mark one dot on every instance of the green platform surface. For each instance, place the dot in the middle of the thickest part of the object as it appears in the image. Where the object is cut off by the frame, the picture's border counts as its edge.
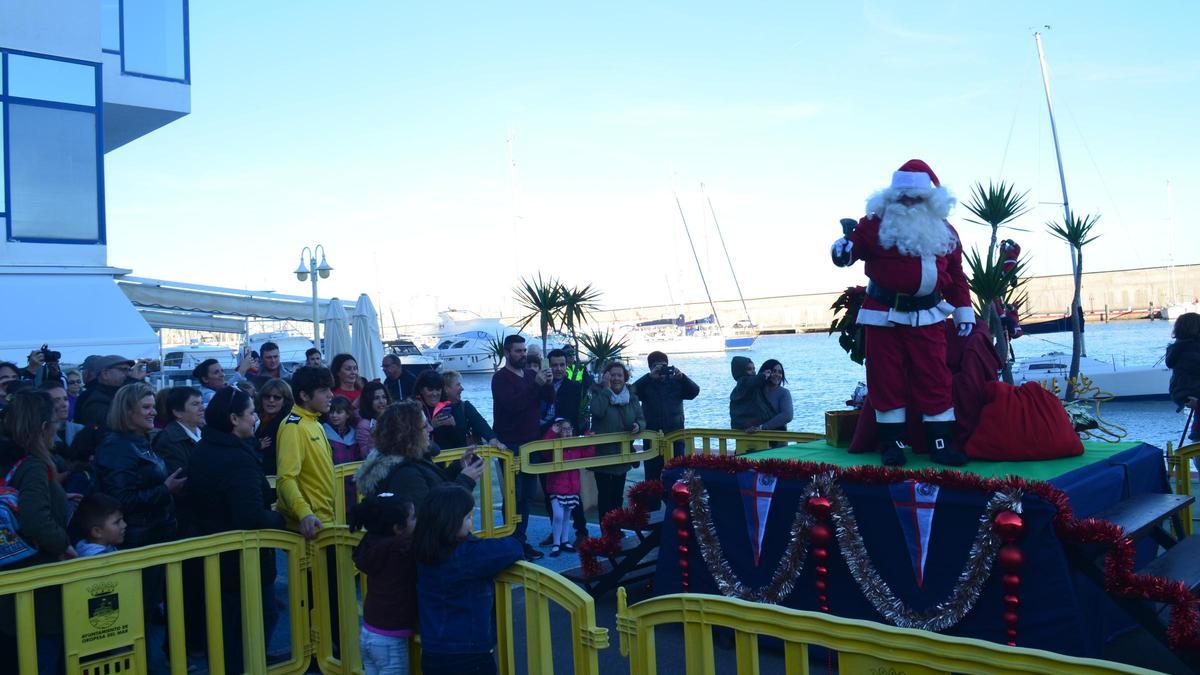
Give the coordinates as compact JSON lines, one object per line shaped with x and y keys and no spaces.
{"x":820,"y":451}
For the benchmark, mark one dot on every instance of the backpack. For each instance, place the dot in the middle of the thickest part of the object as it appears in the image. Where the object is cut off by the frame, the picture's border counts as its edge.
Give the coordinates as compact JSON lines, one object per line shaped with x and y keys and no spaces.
{"x":13,"y":549}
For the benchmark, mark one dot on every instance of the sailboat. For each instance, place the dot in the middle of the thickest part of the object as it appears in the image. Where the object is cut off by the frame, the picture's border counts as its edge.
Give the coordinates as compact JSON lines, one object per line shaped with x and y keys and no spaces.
{"x":704,"y":335}
{"x":1108,"y":379}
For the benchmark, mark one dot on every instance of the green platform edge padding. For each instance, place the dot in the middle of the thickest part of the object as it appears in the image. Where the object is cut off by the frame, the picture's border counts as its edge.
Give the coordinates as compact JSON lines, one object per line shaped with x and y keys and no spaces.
{"x":820,"y":451}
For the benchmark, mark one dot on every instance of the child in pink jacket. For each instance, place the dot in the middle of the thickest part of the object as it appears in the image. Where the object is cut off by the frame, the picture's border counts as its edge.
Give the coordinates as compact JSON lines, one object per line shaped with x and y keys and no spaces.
{"x":563,"y":488}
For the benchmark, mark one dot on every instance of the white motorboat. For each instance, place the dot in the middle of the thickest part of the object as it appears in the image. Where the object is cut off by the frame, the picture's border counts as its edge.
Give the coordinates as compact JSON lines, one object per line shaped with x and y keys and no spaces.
{"x":678,"y":337}
{"x":1124,"y":383}
{"x":291,"y":346}
{"x":411,"y":358}
{"x":179,"y":361}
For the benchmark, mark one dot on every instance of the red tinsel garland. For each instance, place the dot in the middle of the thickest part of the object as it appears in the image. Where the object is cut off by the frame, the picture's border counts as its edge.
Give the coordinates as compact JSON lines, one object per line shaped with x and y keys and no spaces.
{"x":644,"y":497}
{"x":1182,"y":631}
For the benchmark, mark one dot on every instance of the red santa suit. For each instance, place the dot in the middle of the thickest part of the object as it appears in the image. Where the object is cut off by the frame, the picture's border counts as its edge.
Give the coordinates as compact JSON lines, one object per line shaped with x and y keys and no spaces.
{"x":916,"y":283}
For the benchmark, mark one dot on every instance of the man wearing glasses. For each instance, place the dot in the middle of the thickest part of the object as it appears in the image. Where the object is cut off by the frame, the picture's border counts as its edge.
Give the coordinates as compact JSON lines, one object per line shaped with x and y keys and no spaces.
{"x":92,"y":406}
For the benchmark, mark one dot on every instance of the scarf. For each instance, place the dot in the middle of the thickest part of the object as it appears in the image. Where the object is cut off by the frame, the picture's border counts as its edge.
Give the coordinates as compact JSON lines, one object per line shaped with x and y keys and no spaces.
{"x":621,"y":398}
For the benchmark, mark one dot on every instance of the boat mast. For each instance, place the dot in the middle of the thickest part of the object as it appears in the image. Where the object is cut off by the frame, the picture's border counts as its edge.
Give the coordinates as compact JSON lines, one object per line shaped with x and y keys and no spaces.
{"x":700,"y":269}
{"x":1062,"y":177}
{"x":728,"y":260}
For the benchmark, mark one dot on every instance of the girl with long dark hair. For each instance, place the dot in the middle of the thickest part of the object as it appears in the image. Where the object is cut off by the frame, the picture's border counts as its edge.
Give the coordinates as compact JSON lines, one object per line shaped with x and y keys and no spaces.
{"x":455,"y":588}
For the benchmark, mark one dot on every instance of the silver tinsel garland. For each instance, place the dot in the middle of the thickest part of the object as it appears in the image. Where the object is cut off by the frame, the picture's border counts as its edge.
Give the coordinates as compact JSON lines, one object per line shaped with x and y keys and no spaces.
{"x":787,"y":571}
{"x":970,"y":581}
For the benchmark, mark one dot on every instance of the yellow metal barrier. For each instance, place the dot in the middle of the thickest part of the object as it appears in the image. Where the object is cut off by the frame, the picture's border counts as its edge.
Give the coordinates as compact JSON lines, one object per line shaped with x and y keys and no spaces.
{"x":862,"y":646}
{"x":554,"y":447}
{"x":499,"y":470}
{"x":733,"y":442}
{"x":541,"y":588}
{"x":103,"y":611}
{"x":1179,"y":462}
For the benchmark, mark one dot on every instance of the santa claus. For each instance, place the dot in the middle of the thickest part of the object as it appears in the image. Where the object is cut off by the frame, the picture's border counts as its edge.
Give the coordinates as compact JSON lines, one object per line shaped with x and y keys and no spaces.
{"x":913,"y":259}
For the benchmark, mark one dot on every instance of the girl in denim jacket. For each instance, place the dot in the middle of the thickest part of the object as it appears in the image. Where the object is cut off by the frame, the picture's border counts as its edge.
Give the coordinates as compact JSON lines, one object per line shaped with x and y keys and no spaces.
{"x":455,"y":588}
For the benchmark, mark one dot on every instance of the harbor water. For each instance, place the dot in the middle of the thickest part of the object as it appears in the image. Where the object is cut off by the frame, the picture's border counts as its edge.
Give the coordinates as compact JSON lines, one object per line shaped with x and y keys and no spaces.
{"x":822,"y":377}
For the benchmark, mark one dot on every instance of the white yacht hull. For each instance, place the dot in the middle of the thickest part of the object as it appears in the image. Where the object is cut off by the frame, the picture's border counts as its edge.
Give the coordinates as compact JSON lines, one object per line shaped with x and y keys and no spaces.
{"x":1124,"y":383}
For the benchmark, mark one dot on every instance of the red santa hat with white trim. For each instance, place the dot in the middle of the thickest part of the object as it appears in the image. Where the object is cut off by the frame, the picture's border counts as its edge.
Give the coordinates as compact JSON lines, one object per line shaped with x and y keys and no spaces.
{"x":915,"y":175}
{"x":913,"y":178}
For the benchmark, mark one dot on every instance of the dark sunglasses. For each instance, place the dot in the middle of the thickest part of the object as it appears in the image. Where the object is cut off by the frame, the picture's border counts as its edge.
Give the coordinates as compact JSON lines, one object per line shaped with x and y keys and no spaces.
{"x":272,"y":397}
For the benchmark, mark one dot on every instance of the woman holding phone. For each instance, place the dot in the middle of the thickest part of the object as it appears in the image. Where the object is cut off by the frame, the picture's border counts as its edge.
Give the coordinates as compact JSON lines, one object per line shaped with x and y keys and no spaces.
{"x":402,"y":463}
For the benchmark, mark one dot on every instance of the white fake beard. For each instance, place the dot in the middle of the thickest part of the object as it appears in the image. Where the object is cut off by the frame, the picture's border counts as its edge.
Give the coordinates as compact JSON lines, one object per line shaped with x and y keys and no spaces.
{"x":916,"y":230}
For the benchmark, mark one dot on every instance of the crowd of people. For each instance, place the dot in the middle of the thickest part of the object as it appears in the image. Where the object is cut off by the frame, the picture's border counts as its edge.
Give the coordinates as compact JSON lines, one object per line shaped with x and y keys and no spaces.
{"x":100,"y":461}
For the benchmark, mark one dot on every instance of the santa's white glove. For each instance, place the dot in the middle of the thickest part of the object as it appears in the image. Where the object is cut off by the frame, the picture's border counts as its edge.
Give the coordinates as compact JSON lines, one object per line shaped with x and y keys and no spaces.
{"x":964,"y":329}
{"x":841,"y":251}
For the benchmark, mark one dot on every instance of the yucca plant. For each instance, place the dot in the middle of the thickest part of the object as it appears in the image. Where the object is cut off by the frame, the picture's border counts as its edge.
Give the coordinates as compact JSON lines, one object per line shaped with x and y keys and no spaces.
{"x":578,"y":303}
{"x":1077,"y":232}
{"x":989,"y":281}
{"x":495,"y":349}
{"x":543,"y":299}
{"x":603,"y":347}
{"x":996,"y":206}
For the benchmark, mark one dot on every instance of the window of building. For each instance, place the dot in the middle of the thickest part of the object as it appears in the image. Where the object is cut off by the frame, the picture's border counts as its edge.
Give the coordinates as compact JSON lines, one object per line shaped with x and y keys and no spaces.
{"x":51,"y":163}
{"x":150,"y":35}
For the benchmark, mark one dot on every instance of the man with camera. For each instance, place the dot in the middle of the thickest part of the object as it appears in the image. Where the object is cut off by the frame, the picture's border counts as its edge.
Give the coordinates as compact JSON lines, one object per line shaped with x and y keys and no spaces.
{"x":662,"y":392}
{"x":41,"y":365}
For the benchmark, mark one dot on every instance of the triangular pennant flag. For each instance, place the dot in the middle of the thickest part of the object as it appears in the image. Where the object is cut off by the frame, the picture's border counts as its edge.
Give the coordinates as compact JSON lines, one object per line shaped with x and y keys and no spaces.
{"x":915,"y":503}
{"x":757,"y":490}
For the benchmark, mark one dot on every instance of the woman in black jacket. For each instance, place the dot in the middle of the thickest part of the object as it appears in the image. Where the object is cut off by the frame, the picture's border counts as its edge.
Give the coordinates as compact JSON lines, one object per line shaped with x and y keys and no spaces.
{"x":274,"y":403}
{"x":469,"y":427}
{"x":401,"y":462}
{"x":230,"y":492}
{"x":128,"y":469}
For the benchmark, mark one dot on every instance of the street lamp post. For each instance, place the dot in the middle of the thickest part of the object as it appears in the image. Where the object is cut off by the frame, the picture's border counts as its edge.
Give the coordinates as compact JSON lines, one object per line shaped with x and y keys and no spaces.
{"x":322,"y":270}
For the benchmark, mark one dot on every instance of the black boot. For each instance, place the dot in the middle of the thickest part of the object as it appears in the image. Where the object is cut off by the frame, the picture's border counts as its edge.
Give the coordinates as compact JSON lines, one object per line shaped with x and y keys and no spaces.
{"x":940,"y":439}
{"x":891,"y":442}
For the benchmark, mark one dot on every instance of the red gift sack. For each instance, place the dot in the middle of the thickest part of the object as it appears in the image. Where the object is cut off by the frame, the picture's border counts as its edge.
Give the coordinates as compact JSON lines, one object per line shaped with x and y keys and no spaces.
{"x":1022,"y":423}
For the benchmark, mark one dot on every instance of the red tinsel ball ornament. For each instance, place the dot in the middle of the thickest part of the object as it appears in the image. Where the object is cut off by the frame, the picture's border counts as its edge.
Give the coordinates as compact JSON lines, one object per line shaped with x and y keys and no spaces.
{"x":683,"y":535}
{"x":822,"y":570}
{"x":821,"y":585}
{"x":820,"y":534}
{"x":1012,"y":582}
{"x":680,"y":493}
{"x":819,"y":507}
{"x":680,"y":517}
{"x":683,"y":550}
{"x":825,"y":608}
{"x":1010,"y":618}
{"x":683,"y":564}
{"x":821,"y":554}
{"x":1009,"y":525}
{"x":1012,"y":602}
{"x":1011,"y":558}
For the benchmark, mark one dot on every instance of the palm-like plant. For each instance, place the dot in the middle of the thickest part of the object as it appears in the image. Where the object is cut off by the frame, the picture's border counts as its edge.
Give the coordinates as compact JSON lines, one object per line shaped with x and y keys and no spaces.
{"x":578,"y":303}
{"x":603,"y":347}
{"x":990,"y":281}
{"x":543,"y":299}
{"x":1077,"y":232}
{"x":995,"y":206}
{"x":495,"y":349}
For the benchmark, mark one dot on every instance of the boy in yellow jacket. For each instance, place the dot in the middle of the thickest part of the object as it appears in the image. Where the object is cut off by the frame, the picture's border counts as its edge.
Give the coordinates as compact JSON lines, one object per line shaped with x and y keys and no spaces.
{"x":304,"y":479}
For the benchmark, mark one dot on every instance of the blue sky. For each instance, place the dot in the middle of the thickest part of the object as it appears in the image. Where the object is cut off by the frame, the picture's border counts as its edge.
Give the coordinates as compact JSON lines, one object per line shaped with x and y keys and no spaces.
{"x":380,"y":130}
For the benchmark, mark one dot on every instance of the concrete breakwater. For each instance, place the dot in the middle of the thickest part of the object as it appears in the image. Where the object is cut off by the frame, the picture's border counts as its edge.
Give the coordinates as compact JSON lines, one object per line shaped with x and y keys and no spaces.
{"x":1114,"y":294}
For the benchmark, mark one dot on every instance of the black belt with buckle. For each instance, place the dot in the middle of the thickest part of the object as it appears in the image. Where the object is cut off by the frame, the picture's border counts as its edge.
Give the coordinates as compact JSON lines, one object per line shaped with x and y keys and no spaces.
{"x":903,"y":302}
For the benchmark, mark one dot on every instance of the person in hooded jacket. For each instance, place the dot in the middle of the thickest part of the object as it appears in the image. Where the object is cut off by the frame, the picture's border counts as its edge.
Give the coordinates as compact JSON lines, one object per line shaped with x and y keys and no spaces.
{"x":229,"y":491}
{"x":748,"y":404}
{"x":401,"y":463}
{"x":1183,"y":358}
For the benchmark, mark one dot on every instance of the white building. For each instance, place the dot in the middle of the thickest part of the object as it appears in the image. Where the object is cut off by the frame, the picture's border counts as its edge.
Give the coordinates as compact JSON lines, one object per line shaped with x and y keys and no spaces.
{"x":77,"y":78}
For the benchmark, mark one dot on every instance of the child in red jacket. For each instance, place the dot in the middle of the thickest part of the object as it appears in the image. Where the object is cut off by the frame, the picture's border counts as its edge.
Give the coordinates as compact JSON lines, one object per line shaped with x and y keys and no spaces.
{"x":563,"y":489}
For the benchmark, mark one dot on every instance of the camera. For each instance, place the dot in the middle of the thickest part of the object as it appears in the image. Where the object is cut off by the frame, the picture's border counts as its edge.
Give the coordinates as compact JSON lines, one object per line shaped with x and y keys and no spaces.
{"x":49,"y":355}
{"x":665,"y":370}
